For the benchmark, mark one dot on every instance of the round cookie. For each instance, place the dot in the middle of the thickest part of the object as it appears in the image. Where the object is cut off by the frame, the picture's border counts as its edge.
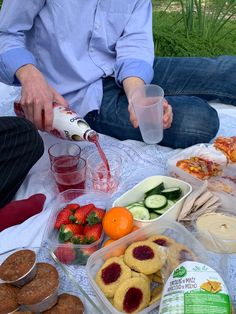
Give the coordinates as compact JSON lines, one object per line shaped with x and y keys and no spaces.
{"x":132,"y":295}
{"x":44,"y":284}
{"x":162,"y":240}
{"x":135,"y":274}
{"x":178,"y":254}
{"x":156,"y":294}
{"x":67,"y":303}
{"x":17,"y":265}
{"x":8,"y":301}
{"x":145,"y":257}
{"x":111,"y":274}
{"x":157,"y":277}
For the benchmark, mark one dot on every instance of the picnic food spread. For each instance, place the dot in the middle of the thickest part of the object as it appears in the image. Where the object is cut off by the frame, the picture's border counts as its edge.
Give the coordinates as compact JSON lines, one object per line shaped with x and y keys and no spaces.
{"x":135,"y":275}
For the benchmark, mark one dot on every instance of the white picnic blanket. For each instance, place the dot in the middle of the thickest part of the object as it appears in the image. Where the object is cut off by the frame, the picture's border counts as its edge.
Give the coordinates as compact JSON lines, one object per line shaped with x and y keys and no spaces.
{"x":139,"y":160}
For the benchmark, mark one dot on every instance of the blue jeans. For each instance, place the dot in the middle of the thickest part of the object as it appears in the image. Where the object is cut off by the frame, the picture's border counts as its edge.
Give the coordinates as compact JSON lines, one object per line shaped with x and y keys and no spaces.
{"x":188,"y":84}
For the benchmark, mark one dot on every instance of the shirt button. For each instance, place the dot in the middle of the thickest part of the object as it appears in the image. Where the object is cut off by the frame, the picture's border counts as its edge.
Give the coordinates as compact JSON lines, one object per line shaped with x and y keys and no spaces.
{"x":96,"y":26}
{"x":91,"y":49}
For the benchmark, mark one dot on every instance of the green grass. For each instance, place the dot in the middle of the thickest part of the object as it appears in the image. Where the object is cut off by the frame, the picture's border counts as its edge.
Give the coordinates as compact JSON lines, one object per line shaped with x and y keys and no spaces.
{"x":171,"y":40}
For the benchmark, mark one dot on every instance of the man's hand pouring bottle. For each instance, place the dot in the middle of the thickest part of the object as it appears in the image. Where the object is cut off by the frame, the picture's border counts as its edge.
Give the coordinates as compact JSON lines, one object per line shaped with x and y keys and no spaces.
{"x":66,"y":124}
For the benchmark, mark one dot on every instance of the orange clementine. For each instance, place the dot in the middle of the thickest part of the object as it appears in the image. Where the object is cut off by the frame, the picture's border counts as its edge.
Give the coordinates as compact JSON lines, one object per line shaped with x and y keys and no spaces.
{"x":135,"y":228}
{"x":117,"y":222}
{"x":107,"y":242}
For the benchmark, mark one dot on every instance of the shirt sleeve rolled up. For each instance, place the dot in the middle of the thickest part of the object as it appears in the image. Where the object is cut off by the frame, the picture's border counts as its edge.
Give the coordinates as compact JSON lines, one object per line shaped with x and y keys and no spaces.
{"x":135,"y":48}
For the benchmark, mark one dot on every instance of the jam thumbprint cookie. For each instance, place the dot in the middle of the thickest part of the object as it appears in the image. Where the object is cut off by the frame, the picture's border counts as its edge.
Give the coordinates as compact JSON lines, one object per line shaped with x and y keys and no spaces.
{"x":111,"y":274}
{"x":132,"y":295}
{"x":145,"y":257}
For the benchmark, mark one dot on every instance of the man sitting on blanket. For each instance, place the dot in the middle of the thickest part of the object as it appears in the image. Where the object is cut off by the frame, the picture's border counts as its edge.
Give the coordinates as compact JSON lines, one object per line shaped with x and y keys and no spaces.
{"x":93,"y":54}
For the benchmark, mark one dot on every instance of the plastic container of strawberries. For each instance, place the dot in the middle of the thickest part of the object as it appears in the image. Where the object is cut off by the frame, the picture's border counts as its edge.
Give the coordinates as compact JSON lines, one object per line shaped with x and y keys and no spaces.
{"x":66,"y":251}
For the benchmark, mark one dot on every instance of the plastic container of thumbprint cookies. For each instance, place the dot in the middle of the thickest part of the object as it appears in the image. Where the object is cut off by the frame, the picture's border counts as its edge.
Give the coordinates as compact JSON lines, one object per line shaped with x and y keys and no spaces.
{"x":134,"y":268}
{"x":48,"y":290}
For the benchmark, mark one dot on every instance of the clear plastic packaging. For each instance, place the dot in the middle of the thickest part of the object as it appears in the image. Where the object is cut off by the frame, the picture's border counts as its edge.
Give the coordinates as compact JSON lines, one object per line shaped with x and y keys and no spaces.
{"x":80,"y":251}
{"x":137,"y":193}
{"x":173,"y":230}
{"x":201,"y":150}
{"x":222,"y":185}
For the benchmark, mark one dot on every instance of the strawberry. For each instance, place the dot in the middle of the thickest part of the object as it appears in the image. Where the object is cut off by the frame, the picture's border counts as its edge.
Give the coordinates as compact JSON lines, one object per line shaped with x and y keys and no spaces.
{"x":78,"y":239}
{"x":89,"y":251}
{"x":84,"y":254}
{"x":72,"y":207}
{"x":68,"y":230}
{"x":81,"y":214}
{"x":93,"y":233}
{"x":63,"y":218}
{"x":65,"y":254}
{"x":95,"y":216}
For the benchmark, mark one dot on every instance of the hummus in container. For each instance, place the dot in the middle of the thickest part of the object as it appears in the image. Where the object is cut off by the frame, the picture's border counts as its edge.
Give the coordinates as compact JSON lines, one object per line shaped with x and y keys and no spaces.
{"x":217,"y":231}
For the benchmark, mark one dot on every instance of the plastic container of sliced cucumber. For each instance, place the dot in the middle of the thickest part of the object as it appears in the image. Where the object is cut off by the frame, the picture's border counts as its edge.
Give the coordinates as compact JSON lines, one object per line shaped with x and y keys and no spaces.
{"x":154,"y":198}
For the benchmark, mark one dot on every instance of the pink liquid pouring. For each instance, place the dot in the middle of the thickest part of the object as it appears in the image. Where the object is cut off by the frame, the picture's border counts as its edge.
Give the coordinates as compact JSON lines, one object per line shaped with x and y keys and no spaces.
{"x":95,"y":140}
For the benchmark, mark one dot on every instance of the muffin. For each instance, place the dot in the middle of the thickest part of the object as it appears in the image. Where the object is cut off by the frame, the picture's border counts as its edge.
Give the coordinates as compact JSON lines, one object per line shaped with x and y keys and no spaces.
{"x":145,"y":257}
{"x":19,"y":267}
{"x":68,"y":304}
{"x":132,"y":295}
{"x":111,"y":274}
{"x":44,"y":285}
{"x":8,"y":300}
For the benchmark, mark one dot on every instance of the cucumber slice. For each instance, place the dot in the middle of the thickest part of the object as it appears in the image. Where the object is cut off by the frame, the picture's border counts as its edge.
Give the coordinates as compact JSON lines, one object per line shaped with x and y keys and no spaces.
{"x":154,"y":216}
{"x":155,"y":201}
{"x":140,"y":212}
{"x":172,"y":193}
{"x":135,"y":204}
{"x":163,"y":210}
{"x":156,"y":190}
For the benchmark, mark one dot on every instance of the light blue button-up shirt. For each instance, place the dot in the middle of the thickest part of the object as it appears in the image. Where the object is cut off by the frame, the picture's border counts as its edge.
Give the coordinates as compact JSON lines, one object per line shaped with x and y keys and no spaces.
{"x":76,"y":43}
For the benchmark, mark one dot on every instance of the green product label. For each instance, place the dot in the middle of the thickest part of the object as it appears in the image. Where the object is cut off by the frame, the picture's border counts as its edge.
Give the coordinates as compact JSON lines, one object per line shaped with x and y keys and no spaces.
{"x":200,"y":302}
{"x":180,"y":272}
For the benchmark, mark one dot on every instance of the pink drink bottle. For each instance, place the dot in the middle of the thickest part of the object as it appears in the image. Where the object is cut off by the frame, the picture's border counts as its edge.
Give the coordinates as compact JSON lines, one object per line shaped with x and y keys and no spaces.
{"x":66,"y":124}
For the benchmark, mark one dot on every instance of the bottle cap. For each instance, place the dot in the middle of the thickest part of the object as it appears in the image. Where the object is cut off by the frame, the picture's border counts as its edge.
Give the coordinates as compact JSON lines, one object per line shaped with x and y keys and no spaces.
{"x":91,"y":135}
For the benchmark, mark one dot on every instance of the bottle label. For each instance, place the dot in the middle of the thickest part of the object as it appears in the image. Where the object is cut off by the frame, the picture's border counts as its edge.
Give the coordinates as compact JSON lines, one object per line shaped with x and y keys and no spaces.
{"x":195,"y":288}
{"x":66,"y":123}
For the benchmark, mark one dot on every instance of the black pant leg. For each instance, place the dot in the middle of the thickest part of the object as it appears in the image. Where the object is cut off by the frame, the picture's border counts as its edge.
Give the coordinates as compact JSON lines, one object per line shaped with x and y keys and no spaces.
{"x":20,"y":147}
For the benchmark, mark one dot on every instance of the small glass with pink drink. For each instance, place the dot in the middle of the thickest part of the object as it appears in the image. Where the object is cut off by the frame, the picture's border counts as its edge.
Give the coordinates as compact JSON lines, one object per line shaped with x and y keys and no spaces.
{"x":104,"y":177}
